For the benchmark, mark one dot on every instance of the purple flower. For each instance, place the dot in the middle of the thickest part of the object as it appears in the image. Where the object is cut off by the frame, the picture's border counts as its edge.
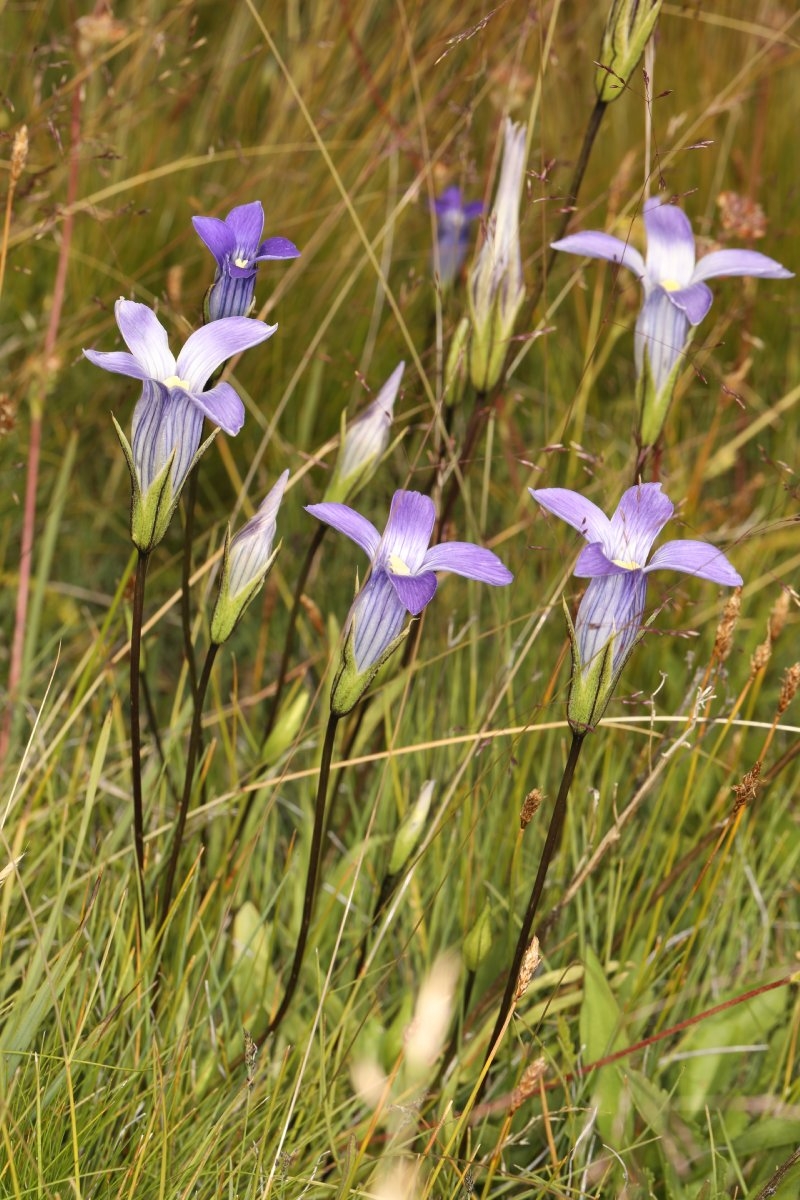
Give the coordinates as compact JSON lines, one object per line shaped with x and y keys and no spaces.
{"x":169,"y":415}
{"x":610,"y":615}
{"x":404,"y":566}
{"x":453,"y":219}
{"x":168,"y":419}
{"x":236,"y":245}
{"x":676,"y":296}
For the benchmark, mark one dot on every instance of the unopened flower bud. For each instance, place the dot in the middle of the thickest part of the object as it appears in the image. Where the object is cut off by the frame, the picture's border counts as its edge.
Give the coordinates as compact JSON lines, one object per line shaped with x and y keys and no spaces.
{"x":628,"y":28}
{"x":412,"y":825}
{"x":478,"y":941}
{"x":364,"y":442}
{"x":496,"y":285}
{"x":248,"y":559}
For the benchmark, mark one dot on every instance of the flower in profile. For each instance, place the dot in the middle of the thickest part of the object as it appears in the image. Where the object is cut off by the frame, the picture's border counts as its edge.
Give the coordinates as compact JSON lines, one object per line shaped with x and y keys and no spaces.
{"x":609,"y":620}
{"x":402,"y":581}
{"x":676,"y":295}
{"x":453,"y":218}
{"x":496,"y":286}
{"x":168,"y":419}
{"x":237,"y":246}
{"x":363,"y":443}
{"x":249,"y":556}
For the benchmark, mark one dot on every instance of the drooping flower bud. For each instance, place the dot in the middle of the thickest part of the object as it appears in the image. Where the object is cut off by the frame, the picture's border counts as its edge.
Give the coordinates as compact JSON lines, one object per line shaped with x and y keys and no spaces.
{"x":364,"y":442}
{"x":628,"y":28}
{"x":247,"y":562}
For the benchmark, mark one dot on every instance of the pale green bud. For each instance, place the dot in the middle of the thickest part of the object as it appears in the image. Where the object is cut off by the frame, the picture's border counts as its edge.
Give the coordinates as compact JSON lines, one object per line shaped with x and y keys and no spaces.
{"x":286,"y":727}
{"x":628,"y":28}
{"x":412,"y":825}
{"x":496,"y":286}
{"x":364,"y":442}
{"x":478,"y":941}
{"x":246,"y":564}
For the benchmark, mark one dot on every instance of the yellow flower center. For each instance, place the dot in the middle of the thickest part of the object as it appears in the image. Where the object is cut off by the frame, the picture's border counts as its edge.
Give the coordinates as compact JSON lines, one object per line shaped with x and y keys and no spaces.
{"x":671,"y":285}
{"x":175,"y":381}
{"x":397,"y":566}
{"x":627,"y":564}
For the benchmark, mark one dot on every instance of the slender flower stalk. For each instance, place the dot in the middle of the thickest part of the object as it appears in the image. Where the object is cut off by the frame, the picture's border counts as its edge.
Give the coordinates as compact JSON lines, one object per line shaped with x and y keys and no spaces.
{"x":312,"y":875}
{"x":136,"y":730}
{"x":238,"y":249}
{"x":676,"y":297}
{"x":402,"y":582}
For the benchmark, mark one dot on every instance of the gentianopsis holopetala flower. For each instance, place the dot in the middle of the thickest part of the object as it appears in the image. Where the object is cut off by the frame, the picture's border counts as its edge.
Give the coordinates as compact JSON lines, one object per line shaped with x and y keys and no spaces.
{"x":237,"y":246}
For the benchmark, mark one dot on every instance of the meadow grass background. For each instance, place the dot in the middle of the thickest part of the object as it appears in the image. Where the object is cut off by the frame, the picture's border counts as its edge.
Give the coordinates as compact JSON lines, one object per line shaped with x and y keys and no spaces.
{"x":345,"y":119}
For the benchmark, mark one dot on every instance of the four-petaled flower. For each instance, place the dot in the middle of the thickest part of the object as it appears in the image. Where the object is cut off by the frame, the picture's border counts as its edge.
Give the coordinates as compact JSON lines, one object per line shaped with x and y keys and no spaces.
{"x":237,"y":246}
{"x":676,"y":296}
{"x":168,"y":418}
{"x":609,"y":619}
{"x":403,"y":577}
{"x":453,"y":219}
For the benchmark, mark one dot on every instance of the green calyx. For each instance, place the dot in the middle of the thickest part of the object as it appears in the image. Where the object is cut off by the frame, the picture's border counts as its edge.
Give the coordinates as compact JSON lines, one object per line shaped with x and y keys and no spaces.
{"x":350,"y":684}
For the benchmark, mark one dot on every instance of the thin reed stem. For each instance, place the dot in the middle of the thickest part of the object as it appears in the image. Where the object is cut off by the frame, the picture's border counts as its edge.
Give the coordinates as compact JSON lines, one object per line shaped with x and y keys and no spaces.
{"x":288,"y":644}
{"x":312,"y":873}
{"x":136,"y":731}
{"x":550,"y":846}
{"x":195,"y":744}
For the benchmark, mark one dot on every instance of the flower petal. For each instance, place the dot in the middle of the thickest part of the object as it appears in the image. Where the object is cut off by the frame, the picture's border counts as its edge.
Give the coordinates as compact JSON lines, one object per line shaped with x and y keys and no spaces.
{"x":275,"y":248}
{"x":117,"y":361}
{"x":593,"y":562}
{"x":694,"y":300}
{"x":222,"y":405}
{"x":246,"y":222}
{"x":641,"y":514}
{"x":473,"y":562}
{"x":207,"y":348}
{"x":670,"y":244}
{"x":739,"y":262}
{"x":593,"y":244}
{"x":408,"y":531}
{"x":662,"y":330}
{"x":576,"y":510}
{"x":612,"y":606}
{"x":414,"y":591}
{"x":377,"y":615}
{"x":696,"y":558}
{"x":217,"y":235}
{"x":145,"y":337}
{"x":349,"y":522}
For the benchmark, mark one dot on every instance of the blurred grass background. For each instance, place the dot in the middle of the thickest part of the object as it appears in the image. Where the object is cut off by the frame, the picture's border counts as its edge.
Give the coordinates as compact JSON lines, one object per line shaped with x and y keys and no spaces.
{"x":345,"y":119}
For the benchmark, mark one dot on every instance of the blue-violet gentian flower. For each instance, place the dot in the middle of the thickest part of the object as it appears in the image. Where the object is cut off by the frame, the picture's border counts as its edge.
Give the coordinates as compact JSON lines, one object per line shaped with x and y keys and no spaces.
{"x":402,"y":581}
{"x":168,"y":419}
{"x":249,"y":556}
{"x":496,"y":285}
{"x":453,"y":218}
{"x":676,"y":296}
{"x":237,"y":246}
{"x":609,"y":620}
{"x":364,"y":441}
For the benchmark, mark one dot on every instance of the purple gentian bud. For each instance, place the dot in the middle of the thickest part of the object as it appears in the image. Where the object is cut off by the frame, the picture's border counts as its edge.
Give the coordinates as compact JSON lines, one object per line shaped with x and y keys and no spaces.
{"x":363,"y":443}
{"x":609,"y":620}
{"x":676,"y":297}
{"x":237,"y":246}
{"x":248,"y":560}
{"x":168,"y":419}
{"x":453,"y":219}
{"x":496,"y":286}
{"x":402,"y":581}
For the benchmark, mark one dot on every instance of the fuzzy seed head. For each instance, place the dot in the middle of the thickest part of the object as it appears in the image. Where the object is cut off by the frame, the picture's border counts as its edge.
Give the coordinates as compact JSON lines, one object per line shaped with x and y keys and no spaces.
{"x":19,"y":153}
{"x":778,"y":615}
{"x":530,"y":807}
{"x":789,"y":686}
{"x":746,"y":791}
{"x":530,"y":961}
{"x":723,"y":642}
